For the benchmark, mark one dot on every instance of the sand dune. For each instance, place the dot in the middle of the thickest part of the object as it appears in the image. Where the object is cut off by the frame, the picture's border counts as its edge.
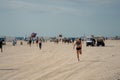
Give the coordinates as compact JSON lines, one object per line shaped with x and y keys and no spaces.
{"x":59,"y":62}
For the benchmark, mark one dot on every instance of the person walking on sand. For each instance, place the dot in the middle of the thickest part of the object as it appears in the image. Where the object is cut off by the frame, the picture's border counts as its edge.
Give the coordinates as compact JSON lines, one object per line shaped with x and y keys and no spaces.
{"x":37,"y":41}
{"x":14,"y":42}
{"x":1,"y":43}
{"x":78,"y":45}
{"x":40,"y":43}
{"x":30,"y":41}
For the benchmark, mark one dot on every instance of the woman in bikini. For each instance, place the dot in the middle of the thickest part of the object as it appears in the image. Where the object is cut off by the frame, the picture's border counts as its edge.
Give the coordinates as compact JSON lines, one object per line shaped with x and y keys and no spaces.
{"x":78,"y":45}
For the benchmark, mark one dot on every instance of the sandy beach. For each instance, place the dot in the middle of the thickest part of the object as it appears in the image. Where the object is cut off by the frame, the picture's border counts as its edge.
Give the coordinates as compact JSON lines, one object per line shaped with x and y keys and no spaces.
{"x":59,"y":62}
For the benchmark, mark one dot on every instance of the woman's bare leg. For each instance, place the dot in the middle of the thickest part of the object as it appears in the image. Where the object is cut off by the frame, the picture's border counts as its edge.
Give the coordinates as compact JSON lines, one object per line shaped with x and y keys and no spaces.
{"x":78,"y":55}
{"x":80,"y":52}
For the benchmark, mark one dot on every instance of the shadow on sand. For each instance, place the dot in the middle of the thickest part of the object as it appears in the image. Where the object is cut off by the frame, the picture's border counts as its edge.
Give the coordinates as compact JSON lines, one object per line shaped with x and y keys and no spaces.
{"x":92,"y":61}
{"x":9,"y":69}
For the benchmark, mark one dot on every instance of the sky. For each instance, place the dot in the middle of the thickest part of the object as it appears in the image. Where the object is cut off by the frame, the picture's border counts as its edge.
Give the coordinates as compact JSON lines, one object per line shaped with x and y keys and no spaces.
{"x":71,"y":18}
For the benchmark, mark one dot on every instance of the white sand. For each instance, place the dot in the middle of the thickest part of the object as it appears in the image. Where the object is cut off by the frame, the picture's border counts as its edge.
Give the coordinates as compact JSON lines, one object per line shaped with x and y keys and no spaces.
{"x":59,"y":62}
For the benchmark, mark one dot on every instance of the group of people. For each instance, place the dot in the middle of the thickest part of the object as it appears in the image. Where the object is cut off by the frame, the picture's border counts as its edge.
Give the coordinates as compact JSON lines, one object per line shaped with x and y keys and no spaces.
{"x":38,"y":42}
{"x":77,"y":44}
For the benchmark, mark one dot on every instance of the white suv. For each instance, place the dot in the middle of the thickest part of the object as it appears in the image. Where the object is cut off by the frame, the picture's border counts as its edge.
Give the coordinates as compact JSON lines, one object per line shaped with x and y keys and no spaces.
{"x":90,"y":42}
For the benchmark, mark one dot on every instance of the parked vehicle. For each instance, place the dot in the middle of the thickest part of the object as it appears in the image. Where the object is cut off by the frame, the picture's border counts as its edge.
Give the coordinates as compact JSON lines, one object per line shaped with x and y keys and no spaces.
{"x":90,"y":41}
{"x":100,"y":41}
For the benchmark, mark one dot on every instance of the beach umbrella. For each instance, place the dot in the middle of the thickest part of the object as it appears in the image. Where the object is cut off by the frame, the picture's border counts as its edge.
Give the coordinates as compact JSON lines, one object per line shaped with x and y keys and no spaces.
{"x":33,"y":35}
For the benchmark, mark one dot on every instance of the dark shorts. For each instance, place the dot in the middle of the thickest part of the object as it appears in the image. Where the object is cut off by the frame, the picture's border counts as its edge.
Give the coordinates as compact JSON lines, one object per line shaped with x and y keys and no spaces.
{"x":40,"y":44}
{"x":78,"y":48}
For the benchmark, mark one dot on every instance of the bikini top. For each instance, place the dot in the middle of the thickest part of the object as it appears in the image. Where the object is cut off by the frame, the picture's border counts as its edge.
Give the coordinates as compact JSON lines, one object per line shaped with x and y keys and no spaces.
{"x":78,"y":43}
